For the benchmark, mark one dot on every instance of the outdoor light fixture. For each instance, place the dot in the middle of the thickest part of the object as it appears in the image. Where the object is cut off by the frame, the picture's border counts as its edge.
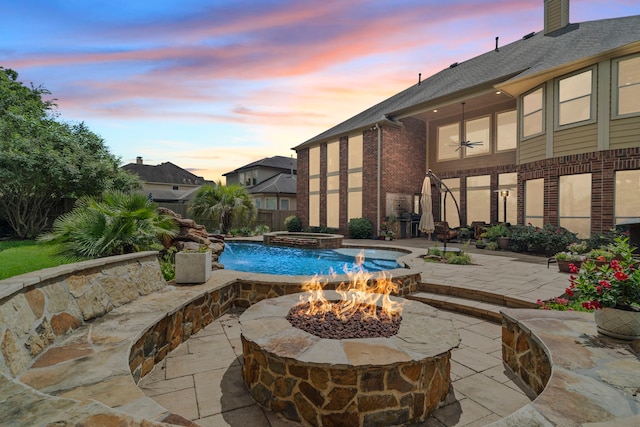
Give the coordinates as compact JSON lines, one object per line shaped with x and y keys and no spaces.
{"x":504,"y":194}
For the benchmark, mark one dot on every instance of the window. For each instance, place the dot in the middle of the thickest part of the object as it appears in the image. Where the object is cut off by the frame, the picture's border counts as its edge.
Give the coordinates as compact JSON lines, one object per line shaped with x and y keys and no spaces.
{"x":354,"y":177}
{"x":314,"y":161}
{"x":574,"y":98}
{"x":258,"y":203}
{"x":627,"y":202}
{"x":448,"y":139}
{"x":314,"y":210}
{"x":333,"y":157}
{"x":575,"y":203}
{"x":509,"y":182}
{"x":175,"y":187}
{"x":479,"y":198}
{"x":271,"y":203}
{"x":532,"y":113}
{"x":333,"y":210}
{"x":534,"y":202}
{"x":449,"y":212}
{"x":507,"y":136}
{"x":333,"y":184}
{"x":477,"y":130}
{"x":284,"y":204}
{"x":627,"y":90}
{"x":314,"y":187}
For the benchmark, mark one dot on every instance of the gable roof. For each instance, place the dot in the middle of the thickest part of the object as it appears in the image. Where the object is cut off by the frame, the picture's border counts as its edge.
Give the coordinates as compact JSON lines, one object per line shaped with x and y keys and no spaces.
{"x":282,"y":183}
{"x":532,"y":56}
{"x":166,"y":173}
{"x":275,"y":162}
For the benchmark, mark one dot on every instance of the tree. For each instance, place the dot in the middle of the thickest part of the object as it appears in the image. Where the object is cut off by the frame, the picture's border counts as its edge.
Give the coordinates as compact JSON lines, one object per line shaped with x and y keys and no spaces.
{"x":114,"y":224}
{"x":230,"y":204}
{"x":43,"y":161}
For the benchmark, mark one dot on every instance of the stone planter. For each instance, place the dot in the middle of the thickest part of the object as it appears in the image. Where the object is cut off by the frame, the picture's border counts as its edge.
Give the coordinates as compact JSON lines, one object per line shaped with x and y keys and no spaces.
{"x":193,"y":267}
{"x":621,"y":324}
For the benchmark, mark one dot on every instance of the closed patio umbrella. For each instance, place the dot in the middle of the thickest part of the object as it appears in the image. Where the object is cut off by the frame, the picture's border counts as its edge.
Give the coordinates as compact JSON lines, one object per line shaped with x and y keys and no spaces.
{"x":426,"y":220}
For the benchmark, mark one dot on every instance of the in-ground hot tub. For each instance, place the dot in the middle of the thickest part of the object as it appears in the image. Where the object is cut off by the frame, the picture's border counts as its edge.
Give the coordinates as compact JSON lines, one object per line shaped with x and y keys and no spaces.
{"x":303,"y":240}
{"x":358,"y":381}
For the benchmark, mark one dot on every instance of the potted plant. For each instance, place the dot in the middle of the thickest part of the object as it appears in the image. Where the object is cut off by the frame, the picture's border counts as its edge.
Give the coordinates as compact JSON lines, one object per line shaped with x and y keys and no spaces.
{"x":566,"y":259}
{"x":612,"y":290}
{"x":600,"y":256}
{"x":500,"y":234}
{"x":388,"y":235}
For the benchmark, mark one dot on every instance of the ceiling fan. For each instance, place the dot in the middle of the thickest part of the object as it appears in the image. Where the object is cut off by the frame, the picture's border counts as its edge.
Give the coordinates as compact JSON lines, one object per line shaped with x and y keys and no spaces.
{"x":463,"y":142}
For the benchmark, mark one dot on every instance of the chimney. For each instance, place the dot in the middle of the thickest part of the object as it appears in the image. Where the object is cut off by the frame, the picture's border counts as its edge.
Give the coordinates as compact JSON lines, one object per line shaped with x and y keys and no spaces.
{"x":139,"y":160}
{"x":556,"y":15}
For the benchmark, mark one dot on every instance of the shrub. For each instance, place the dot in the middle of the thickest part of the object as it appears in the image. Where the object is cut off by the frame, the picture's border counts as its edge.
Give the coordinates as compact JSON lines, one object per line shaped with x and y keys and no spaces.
{"x":499,"y":230}
{"x":360,"y":228}
{"x":547,"y":241}
{"x":460,"y":258}
{"x":293,"y":224}
{"x":114,"y":224}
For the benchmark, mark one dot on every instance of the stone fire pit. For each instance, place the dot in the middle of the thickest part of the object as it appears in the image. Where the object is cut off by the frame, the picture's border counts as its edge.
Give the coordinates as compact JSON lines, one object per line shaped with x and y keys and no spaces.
{"x":364,"y":381}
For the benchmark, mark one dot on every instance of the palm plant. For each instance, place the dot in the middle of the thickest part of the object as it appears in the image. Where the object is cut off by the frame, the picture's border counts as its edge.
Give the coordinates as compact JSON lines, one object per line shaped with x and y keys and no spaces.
{"x":231,"y":205}
{"x":117,"y":223}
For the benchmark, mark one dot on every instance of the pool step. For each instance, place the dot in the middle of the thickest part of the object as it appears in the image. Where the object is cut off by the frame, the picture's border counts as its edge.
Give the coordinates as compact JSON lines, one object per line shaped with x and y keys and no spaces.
{"x":481,"y":304}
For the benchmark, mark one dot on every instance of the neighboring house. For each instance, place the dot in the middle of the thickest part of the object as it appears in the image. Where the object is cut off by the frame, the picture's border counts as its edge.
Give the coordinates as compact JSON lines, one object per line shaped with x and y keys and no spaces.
{"x":272,"y":182}
{"x":166,"y":182}
{"x":557,"y":116}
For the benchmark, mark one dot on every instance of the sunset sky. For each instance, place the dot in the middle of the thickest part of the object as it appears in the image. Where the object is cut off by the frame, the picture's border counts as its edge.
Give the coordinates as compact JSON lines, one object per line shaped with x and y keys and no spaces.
{"x":213,"y":85}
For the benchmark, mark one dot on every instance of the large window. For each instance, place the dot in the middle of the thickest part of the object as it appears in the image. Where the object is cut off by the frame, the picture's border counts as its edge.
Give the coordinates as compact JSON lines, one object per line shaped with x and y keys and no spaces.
{"x":533,"y":113}
{"x":575,"y":203}
{"x":575,"y":98}
{"x":354,"y":177}
{"x":448,"y":137}
{"x":507,"y":130}
{"x":534,"y":202}
{"x":479,"y":198}
{"x":314,"y":187}
{"x":627,"y":203}
{"x":333,"y":184}
{"x":449,"y":212}
{"x":508,"y":182}
{"x":477,"y":130}
{"x":627,"y":90}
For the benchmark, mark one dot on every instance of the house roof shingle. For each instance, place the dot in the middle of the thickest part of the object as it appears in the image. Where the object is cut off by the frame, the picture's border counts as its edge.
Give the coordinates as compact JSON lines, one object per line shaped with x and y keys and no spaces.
{"x":282,"y":183}
{"x":166,"y":173}
{"x":512,"y":63}
{"x":276,"y":162}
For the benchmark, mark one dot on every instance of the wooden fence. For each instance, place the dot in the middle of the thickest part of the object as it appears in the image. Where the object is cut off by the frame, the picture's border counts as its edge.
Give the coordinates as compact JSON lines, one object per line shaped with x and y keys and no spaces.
{"x":272,"y":219}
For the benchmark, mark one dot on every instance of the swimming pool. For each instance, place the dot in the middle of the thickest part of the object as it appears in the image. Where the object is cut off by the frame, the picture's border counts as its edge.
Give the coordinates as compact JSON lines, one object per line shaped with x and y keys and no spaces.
{"x":258,"y":258}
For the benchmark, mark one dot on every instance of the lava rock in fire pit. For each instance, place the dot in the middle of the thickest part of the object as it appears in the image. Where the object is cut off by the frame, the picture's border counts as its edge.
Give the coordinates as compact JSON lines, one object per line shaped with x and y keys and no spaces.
{"x":357,"y":325}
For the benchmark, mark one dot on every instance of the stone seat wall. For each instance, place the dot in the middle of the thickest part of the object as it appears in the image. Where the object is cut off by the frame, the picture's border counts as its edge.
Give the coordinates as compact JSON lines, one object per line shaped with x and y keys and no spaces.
{"x":76,"y":339}
{"x":580,"y":377}
{"x":98,"y":326}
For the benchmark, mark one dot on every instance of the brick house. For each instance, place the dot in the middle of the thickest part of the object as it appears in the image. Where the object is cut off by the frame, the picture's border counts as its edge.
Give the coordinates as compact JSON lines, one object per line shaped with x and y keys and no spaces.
{"x":554,"y":118}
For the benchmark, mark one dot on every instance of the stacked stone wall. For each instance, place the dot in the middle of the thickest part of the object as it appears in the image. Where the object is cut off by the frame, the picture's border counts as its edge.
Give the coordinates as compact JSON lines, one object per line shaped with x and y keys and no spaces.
{"x":39,"y":308}
{"x":525,"y":355}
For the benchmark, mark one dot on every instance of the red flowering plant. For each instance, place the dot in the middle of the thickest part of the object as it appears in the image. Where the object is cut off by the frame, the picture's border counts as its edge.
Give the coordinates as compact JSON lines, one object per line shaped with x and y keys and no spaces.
{"x":616,"y":284}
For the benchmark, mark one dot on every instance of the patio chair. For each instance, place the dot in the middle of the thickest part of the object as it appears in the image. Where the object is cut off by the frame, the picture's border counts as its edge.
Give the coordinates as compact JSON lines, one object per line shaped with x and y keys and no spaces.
{"x":443,"y":232}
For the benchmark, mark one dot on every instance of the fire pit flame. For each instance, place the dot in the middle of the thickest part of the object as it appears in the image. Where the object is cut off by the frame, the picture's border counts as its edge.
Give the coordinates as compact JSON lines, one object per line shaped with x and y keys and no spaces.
{"x":360,"y":295}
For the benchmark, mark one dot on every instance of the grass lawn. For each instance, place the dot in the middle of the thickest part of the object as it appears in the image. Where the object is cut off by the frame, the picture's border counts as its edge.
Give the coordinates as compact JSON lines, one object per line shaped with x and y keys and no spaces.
{"x":22,"y":256}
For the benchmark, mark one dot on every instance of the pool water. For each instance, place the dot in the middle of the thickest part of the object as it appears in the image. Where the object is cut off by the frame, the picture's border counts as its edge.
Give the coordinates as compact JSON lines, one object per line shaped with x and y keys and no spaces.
{"x":258,"y":258}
